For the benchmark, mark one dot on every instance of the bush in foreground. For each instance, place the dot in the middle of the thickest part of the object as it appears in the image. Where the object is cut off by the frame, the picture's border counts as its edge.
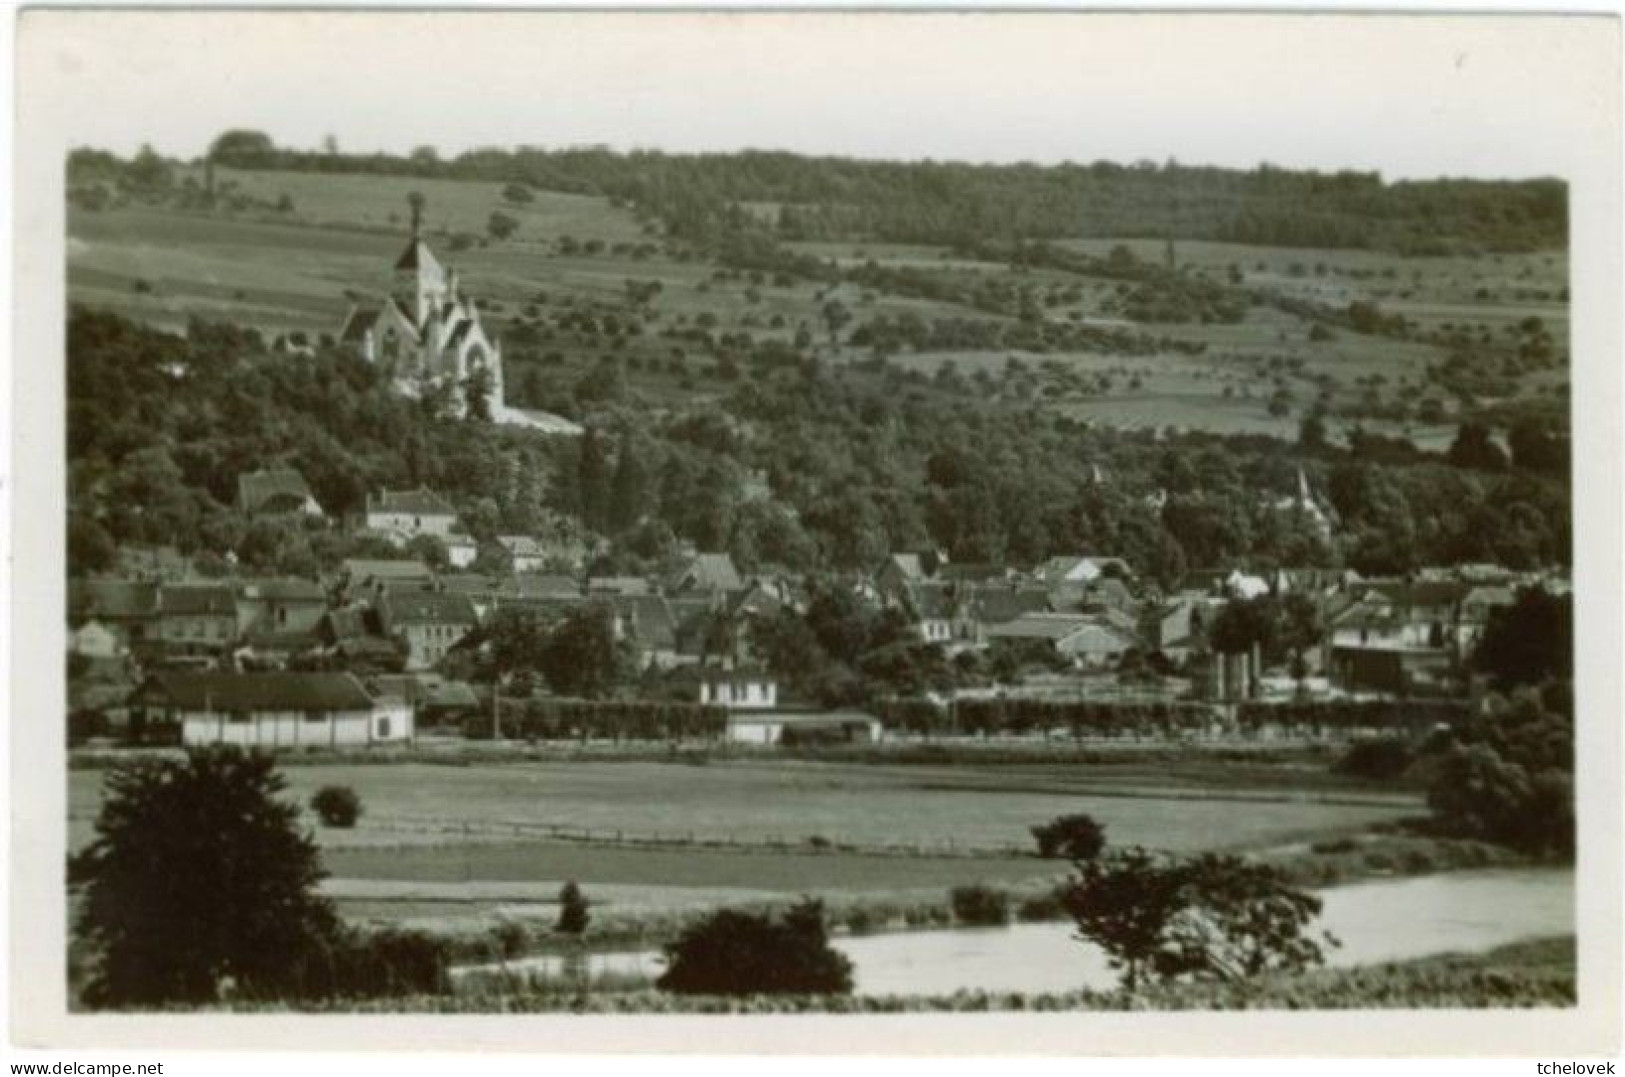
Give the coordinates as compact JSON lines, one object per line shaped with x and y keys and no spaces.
{"x":980,"y":906}
{"x":1209,"y":917}
{"x":1072,"y":837}
{"x":336,"y":805}
{"x":740,"y":953}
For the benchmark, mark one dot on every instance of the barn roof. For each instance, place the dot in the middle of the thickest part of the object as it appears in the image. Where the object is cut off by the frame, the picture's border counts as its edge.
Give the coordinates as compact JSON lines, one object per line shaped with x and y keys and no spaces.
{"x":238,"y":692}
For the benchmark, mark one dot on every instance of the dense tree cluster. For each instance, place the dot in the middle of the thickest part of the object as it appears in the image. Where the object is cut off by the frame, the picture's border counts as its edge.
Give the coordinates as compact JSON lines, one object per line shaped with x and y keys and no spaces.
{"x":700,"y":195}
{"x":857,"y":463}
{"x":1508,"y":775}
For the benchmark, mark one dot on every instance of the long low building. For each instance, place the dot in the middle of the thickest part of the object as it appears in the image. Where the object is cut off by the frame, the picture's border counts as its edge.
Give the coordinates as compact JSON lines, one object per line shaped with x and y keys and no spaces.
{"x":273,"y":710}
{"x":790,"y":727}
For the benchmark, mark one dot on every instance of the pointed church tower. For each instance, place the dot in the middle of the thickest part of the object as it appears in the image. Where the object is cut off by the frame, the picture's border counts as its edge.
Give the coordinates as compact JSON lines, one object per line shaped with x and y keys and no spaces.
{"x":420,"y":280}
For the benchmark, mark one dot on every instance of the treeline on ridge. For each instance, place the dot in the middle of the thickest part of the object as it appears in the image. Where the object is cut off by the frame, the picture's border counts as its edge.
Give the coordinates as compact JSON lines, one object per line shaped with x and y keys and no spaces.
{"x":798,"y":197}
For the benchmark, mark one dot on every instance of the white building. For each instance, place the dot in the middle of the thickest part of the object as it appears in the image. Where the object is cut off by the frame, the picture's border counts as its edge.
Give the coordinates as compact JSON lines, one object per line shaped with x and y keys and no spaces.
{"x":273,"y":710}
{"x":776,"y":727}
{"x":735,"y":689}
{"x":409,"y":513}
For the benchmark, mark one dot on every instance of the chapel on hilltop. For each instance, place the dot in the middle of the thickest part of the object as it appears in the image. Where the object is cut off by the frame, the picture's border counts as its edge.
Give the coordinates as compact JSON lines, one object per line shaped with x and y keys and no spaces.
{"x":427,"y":329}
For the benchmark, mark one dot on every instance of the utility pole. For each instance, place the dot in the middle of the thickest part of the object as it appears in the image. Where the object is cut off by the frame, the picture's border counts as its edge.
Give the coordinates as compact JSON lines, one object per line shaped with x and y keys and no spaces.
{"x":496,"y":708}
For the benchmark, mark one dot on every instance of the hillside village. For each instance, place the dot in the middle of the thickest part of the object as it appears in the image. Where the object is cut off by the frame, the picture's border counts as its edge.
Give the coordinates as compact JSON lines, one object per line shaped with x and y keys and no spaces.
{"x":419,"y":620}
{"x":413,"y":645}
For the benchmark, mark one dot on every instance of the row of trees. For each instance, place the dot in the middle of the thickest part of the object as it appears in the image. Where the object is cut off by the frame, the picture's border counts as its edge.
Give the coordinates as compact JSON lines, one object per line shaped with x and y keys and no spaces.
{"x":944,"y":202}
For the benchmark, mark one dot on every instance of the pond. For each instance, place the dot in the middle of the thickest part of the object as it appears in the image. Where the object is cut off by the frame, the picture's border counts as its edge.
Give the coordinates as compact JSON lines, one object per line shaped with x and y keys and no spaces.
{"x":1376,"y":921}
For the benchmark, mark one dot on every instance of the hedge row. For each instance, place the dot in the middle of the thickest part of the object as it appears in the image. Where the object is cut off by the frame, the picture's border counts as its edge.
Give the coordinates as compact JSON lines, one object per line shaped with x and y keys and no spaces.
{"x":995,"y":716}
{"x":1347,"y":714}
{"x":555,"y":719}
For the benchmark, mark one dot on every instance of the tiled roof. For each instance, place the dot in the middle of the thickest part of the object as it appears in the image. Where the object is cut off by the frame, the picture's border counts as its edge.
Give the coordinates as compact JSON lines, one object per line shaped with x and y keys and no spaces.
{"x":281,"y":589}
{"x":351,"y":622}
{"x":429,"y":607}
{"x":708,"y":572}
{"x":1441,"y":593}
{"x":361,"y":569}
{"x":256,"y":691}
{"x":113,"y":599}
{"x":933,"y":602}
{"x":197,"y":600}
{"x":420,"y":502}
{"x":618,"y":585}
{"x":650,"y":618}
{"x":1050,"y":626}
{"x":255,"y":488}
{"x":999,"y":605}
{"x":361,"y":319}
{"x":542,"y":583}
{"x":469,"y":583}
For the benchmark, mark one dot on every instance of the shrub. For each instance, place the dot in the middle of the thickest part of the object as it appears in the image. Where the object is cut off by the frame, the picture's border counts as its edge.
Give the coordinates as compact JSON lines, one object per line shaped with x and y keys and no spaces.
{"x":509,"y":939}
{"x":1074,"y":837}
{"x":1381,"y":759}
{"x":1040,"y":907}
{"x":980,"y":905}
{"x":390,"y":963}
{"x":573,"y":914}
{"x":739,"y":953}
{"x":336,"y":805}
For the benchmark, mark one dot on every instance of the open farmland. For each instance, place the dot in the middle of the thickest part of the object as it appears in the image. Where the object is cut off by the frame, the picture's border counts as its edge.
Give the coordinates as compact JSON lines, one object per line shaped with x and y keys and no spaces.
{"x":291,"y":249}
{"x":857,"y":804}
{"x":464,"y":841}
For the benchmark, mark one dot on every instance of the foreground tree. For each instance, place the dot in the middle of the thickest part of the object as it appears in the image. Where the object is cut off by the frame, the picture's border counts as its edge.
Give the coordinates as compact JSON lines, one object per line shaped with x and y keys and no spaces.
{"x":1208,"y":918}
{"x":740,"y":953}
{"x":200,"y":877}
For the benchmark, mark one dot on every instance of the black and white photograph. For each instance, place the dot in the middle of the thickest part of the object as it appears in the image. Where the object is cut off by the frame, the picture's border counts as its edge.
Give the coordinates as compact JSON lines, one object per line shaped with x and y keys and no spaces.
{"x":868,"y":515}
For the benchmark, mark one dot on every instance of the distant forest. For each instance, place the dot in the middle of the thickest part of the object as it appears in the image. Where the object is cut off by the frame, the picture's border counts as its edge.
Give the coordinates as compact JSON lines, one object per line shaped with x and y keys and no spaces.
{"x":704,"y":196}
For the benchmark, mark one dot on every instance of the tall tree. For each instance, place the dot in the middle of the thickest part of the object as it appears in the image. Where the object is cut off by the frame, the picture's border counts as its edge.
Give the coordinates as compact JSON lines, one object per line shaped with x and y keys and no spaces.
{"x":200,"y":876}
{"x":628,"y":494}
{"x":592,"y":482}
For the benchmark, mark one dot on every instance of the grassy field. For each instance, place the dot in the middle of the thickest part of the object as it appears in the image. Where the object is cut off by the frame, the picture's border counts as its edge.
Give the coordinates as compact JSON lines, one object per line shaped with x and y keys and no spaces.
{"x":453,"y":847}
{"x":866,"y":806}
